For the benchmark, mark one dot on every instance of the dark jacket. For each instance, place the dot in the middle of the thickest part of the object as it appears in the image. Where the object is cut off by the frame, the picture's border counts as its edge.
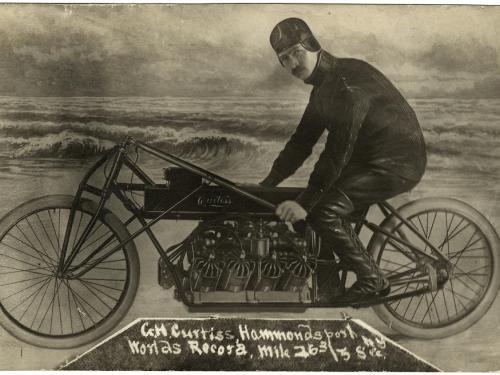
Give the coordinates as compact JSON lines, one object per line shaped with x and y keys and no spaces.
{"x":368,"y":121}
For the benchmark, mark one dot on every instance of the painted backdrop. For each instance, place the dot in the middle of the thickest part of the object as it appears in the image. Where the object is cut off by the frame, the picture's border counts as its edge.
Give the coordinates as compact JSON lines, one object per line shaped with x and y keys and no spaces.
{"x":202,"y":81}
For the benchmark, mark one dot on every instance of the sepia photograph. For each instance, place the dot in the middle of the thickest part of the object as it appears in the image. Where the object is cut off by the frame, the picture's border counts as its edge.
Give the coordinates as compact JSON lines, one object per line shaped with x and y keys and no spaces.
{"x":211,"y":187}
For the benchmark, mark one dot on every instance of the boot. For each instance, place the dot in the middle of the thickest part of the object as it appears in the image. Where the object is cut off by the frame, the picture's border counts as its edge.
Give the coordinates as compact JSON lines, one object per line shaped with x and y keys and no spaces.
{"x":328,"y":281}
{"x":370,"y":279}
{"x":329,"y":285}
{"x":339,"y":234}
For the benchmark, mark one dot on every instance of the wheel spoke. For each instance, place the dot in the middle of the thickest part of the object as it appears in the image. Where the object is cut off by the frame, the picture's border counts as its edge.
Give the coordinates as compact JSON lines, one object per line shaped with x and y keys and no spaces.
{"x":38,"y":239}
{"x":467,"y":286}
{"x":50,"y":305}
{"x":101,"y":248}
{"x":46,"y":233}
{"x":69,"y":308}
{"x":428,"y":308}
{"x":418,"y":305}
{"x":432,"y":225}
{"x":422,"y":226}
{"x":464,"y":274}
{"x":41,"y":257}
{"x":24,"y":262}
{"x":58,"y":248}
{"x":82,"y":301}
{"x":397,"y":264}
{"x":455,"y":293}
{"x":455,"y":233}
{"x":104,"y":286}
{"x":468,"y":273}
{"x":409,"y":302}
{"x":40,"y":304}
{"x":424,"y":233}
{"x":23,"y":281}
{"x":435,"y":294}
{"x":96,"y":240}
{"x":90,"y":285}
{"x":22,"y":290}
{"x":466,"y":246}
{"x":397,"y":290}
{"x":29,"y":270}
{"x":99,"y":298}
{"x":110,"y":268}
{"x":53,"y":304}
{"x":27,"y":298}
{"x":474,"y":257}
{"x":445,"y":304}
{"x":45,"y":283}
{"x":77,"y":230}
{"x":113,"y":261}
{"x":453,"y":254}
{"x":60,"y":312}
{"x":446,"y":236}
{"x":95,"y":229}
{"x":427,"y":225}
{"x":78,"y":312}
{"x":406,"y":288}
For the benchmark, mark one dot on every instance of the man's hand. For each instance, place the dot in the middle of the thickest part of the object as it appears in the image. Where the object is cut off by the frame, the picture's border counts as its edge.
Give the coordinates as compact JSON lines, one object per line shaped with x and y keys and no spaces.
{"x":291,"y":211}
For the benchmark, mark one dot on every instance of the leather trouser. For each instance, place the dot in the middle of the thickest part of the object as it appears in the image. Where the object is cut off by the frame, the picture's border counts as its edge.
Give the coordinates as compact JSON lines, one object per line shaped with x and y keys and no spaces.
{"x":363,"y":187}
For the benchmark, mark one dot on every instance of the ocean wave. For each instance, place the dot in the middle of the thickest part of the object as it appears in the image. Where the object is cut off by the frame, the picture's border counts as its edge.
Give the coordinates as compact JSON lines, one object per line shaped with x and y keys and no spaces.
{"x":69,"y":144}
{"x":63,"y":145}
{"x":233,"y":123}
{"x":229,"y":134}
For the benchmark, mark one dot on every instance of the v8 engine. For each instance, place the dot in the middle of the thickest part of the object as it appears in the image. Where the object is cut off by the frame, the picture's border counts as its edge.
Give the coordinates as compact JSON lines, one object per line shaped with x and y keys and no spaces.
{"x":247,"y":260}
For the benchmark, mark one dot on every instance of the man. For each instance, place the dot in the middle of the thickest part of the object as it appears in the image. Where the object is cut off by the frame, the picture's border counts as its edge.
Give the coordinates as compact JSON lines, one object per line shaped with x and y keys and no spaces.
{"x":374,"y":150}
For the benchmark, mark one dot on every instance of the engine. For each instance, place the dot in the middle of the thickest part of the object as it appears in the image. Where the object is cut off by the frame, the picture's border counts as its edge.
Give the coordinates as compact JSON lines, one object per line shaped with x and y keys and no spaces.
{"x":246,"y":261}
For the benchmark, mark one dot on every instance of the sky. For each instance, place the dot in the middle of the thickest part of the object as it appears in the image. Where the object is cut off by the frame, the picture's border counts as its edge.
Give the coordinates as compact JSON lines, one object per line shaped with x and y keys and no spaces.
{"x":223,"y":49}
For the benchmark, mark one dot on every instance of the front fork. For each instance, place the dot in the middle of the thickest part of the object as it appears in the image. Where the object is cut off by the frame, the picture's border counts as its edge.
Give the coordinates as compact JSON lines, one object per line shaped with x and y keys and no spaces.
{"x":117,"y":153}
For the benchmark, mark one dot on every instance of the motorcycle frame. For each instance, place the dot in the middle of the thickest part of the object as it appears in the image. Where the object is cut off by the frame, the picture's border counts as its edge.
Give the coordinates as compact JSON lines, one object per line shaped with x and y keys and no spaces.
{"x":111,"y":186}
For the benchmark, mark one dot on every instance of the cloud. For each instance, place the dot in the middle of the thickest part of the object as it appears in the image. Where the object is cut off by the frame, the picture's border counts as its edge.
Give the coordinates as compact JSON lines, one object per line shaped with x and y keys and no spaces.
{"x":488,"y":87}
{"x":470,"y":56}
{"x":368,"y":46}
{"x":216,"y":49}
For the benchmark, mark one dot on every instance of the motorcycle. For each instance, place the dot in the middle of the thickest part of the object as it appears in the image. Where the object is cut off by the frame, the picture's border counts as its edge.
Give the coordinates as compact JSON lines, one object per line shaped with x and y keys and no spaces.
{"x":69,"y":267}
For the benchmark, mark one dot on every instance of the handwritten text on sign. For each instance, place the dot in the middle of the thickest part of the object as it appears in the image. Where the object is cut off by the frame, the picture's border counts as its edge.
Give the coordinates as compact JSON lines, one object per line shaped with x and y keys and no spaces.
{"x":248,"y":344}
{"x":299,"y":342}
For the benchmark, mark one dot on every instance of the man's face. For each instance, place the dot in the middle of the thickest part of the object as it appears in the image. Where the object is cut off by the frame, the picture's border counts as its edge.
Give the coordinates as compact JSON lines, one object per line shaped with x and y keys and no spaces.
{"x":299,"y":61}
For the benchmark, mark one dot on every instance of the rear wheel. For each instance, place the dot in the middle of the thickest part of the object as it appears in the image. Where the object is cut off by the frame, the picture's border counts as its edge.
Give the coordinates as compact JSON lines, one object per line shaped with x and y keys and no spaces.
{"x":44,"y":308}
{"x":471,"y":244}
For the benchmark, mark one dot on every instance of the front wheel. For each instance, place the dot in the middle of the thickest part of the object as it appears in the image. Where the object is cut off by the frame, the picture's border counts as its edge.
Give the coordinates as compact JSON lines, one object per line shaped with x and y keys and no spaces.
{"x":40,"y":305}
{"x":472,"y":246}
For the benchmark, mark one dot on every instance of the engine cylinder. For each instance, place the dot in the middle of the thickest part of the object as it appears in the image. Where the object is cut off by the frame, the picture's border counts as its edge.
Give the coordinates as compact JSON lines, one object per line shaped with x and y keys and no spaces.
{"x":268,"y":275}
{"x":205,"y":274}
{"x":295,"y":276}
{"x":236,"y":275}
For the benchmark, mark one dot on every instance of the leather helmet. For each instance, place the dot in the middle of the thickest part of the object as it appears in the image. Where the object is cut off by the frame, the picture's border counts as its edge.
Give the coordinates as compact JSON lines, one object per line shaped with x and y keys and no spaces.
{"x":292,"y":31}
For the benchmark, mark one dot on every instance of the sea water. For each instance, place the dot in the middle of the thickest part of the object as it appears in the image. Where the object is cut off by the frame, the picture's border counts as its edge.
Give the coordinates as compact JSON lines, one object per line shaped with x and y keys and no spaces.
{"x":46,"y":144}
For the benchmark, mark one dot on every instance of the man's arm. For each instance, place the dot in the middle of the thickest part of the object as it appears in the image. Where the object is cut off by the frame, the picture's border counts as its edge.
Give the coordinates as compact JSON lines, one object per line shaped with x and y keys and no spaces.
{"x":297,"y":149}
{"x":339,"y":146}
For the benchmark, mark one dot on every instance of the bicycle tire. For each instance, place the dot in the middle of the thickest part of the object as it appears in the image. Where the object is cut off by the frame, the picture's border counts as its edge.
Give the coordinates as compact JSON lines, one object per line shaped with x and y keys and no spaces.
{"x":44,"y":212}
{"x":480,"y":300}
